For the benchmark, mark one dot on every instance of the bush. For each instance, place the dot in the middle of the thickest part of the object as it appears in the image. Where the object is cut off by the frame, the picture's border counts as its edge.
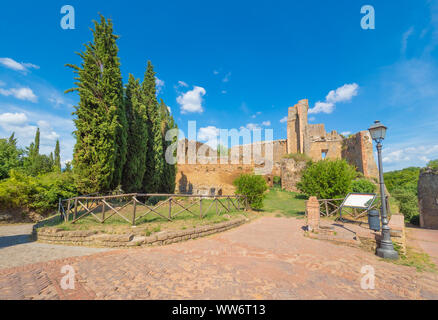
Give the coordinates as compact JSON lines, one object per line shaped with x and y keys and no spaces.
{"x":298,"y":157}
{"x":433,"y":164}
{"x":408,"y":203}
{"x":277,"y":181}
{"x":327,"y":179}
{"x":363,"y":186}
{"x":40,"y":194}
{"x":253,"y":187}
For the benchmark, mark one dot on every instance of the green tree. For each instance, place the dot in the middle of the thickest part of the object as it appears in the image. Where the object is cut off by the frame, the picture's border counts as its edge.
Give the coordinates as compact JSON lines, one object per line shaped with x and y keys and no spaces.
{"x":57,"y":160}
{"x":135,"y":166}
{"x":327,"y":179}
{"x":363,"y":186}
{"x":154,"y":155}
{"x":169,"y":170}
{"x":10,"y":156}
{"x":100,"y":150}
{"x":253,"y":187}
{"x":433,"y":164}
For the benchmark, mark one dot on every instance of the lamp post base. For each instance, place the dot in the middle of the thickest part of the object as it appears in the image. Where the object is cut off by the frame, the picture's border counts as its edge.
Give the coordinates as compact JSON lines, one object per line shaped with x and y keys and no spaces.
{"x":387,"y":253}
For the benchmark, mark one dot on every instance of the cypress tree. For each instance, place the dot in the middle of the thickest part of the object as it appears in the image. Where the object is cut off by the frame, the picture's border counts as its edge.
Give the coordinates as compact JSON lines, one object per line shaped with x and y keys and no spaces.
{"x":100,"y":150}
{"x":57,"y":160}
{"x":135,"y":166}
{"x":154,"y":155}
{"x":169,"y":170}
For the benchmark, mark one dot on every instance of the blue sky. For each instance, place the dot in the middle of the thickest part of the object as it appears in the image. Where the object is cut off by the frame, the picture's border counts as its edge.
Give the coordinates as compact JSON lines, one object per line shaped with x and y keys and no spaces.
{"x":231,"y":64}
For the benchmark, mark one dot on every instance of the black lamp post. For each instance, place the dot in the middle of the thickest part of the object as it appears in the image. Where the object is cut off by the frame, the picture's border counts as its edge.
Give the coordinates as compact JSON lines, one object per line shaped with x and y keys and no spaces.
{"x":386,"y":250}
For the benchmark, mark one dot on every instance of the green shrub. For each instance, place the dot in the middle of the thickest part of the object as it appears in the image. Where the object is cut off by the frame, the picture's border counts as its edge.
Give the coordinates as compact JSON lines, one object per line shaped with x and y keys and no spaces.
{"x":253,"y":187}
{"x":363,"y":186}
{"x":408,"y":203}
{"x":327,"y":179}
{"x":433,"y":164}
{"x":40,"y":194}
{"x":299,"y":157}
{"x":277,"y":181}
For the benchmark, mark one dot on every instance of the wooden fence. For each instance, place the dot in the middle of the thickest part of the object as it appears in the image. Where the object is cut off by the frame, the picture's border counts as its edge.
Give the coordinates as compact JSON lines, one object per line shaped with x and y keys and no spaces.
{"x":77,"y":208}
{"x":330,"y":207}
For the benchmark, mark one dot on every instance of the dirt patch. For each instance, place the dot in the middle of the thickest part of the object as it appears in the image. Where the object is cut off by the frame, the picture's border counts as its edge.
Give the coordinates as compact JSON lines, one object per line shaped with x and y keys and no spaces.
{"x":19,"y":215}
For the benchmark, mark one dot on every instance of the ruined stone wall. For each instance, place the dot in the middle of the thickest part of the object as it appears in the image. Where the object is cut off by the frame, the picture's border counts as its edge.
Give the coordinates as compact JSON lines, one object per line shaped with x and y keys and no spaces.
{"x":358,"y":151}
{"x":333,"y":150}
{"x":428,"y":198}
{"x":291,"y":172}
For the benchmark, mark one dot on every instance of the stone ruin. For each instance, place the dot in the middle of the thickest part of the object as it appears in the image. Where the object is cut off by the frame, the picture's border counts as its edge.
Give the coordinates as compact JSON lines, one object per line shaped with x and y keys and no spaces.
{"x":428,"y":198}
{"x":212,"y":174}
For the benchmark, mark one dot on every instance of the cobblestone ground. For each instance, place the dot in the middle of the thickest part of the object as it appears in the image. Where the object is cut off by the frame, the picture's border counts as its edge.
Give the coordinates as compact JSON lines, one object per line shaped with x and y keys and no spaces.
{"x":17,"y":249}
{"x":266,"y":259}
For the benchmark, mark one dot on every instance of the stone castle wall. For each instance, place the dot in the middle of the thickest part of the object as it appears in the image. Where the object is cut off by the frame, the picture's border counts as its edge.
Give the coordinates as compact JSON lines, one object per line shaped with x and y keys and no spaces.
{"x":209,"y":173}
{"x":428,"y":198}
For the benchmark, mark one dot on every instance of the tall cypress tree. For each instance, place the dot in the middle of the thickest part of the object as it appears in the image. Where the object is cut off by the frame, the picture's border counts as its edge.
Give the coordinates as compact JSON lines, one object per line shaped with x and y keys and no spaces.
{"x":169,"y":170}
{"x":154,"y":156}
{"x":37,"y":142}
{"x":57,"y":160}
{"x":100,"y":150}
{"x":135,"y":167}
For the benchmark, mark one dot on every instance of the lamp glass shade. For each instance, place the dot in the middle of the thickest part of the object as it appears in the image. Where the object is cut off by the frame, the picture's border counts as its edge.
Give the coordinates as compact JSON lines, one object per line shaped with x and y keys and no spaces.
{"x":378,"y":131}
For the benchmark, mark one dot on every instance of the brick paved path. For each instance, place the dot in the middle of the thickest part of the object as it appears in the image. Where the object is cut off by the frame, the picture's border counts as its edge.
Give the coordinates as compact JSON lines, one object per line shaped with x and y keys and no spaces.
{"x":17,"y":249}
{"x":266,"y":259}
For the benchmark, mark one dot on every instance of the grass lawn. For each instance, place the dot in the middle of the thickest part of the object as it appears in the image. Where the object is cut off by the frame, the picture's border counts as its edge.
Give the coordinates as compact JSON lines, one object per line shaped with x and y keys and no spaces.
{"x":284,"y":204}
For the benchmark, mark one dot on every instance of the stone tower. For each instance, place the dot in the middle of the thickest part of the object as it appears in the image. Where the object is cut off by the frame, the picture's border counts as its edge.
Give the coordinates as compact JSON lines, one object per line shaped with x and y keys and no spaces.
{"x":296,"y":127}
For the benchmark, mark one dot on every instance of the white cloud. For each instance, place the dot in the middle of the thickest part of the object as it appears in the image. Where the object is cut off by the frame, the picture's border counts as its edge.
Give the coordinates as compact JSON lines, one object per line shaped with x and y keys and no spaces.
{"x":322,"y":107}
{"x":266,"y":123}
{"x":160,"y":85}
{"x":251,"y":126}
{"x":283,"y":120}
{"x":209,"y":135}
{"x":410,"y":155}
{"x":13,"y":118}
{"x":182,"y":84}
{"x":255,"y":115}
{"x":20,"y":93}
{"x":191,"y":101}
{"x":346,"y":133}
{"x":312,"y":119}
{"x":405,"y":38}
{"x":215,"y":72}
{"x":227,"y":77}
{"x":14,"y":65}
{"x":224,"y":92}
{"x":341,"y":94}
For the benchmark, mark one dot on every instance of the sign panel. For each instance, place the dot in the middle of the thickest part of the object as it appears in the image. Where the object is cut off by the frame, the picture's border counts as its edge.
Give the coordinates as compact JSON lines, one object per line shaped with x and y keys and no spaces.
{"x":359,"y":200}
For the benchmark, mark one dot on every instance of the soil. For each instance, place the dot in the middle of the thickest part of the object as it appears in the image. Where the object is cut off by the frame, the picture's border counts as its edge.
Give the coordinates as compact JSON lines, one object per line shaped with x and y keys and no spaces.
{"x":19,"y":215}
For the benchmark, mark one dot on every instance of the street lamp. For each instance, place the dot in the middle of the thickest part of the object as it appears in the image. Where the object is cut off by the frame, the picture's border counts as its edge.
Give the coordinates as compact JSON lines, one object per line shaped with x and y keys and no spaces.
{"x":386,"y":250}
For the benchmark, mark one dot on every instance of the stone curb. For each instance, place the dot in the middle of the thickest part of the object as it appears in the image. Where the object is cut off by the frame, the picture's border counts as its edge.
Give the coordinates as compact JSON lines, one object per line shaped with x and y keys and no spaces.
{"x":92,"y":238}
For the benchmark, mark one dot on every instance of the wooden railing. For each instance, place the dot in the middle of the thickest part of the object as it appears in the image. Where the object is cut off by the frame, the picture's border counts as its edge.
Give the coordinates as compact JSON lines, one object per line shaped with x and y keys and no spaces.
{"x":330,"y":207}
{"x":102,"y":208}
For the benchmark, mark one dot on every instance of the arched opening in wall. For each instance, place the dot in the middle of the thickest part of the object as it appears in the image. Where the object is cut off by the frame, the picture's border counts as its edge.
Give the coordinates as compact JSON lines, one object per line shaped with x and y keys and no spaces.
{"x":324,"y":154}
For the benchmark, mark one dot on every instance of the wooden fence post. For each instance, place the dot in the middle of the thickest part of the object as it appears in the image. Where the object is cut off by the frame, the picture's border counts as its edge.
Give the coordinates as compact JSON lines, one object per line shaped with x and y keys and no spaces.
{"x":170,"y":208}
{"x":200,"y":207}
{"x":134,"y":210}
{"x":68,"y":211}
{"x":76,"y":209}
{"x":103,"y":212}
{"x":326,"y":208}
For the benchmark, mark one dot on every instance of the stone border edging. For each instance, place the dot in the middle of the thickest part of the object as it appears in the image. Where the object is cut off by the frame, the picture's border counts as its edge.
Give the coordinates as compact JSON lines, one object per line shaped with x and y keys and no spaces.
{"x":93,"y":238}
